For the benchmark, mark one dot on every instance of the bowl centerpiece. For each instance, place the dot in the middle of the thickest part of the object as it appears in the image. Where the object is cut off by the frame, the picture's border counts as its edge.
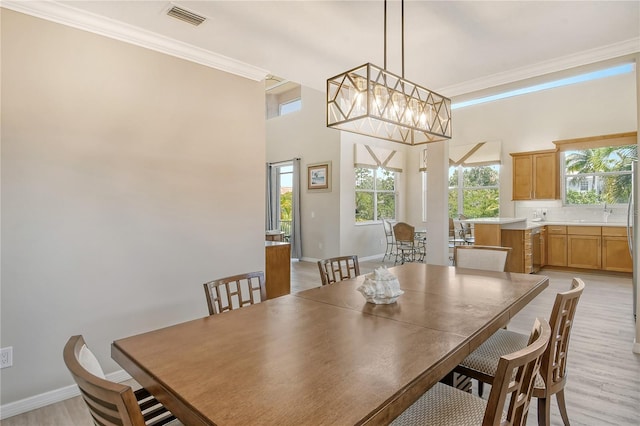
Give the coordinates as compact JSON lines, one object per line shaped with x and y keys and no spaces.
{"x":381,"y":287}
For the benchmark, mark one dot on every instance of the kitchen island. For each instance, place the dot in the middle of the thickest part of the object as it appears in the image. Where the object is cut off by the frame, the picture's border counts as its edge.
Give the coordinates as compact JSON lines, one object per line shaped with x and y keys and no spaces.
{"x":488,"y":230}
{"x":518,"y":233}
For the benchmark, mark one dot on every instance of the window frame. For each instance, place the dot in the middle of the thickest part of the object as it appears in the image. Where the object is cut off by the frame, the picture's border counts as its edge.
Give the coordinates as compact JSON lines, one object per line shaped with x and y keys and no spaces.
{"x":461,"y":188}
{"x":375,"y":193}
{"x":564,"y":176}
{"x":283,"y":105}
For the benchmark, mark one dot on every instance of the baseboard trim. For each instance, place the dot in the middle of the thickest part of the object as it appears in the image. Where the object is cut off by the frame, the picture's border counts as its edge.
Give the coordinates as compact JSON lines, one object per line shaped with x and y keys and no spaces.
{"x":361,"y":259}
{"x":374,"y":257}
{"x":38,"y":401}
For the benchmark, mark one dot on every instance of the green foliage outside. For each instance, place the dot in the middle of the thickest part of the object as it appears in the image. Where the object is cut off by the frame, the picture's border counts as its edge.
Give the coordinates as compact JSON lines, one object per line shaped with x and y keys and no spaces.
{"x":478,"y":201}
{"x":587,"y":197}
{"x":602,"y":168}
{"x":375,"y":185}
{"x":285,"y":205}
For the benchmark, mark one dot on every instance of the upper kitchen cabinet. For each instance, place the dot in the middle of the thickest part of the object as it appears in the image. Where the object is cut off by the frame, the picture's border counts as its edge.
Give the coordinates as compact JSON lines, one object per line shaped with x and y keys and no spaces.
{"x":535,"y":175}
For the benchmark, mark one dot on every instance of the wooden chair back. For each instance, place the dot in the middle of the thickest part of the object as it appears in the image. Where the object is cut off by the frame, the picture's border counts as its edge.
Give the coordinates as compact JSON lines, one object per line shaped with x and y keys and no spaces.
{"x":554,"y":361}
{"x":515,"y":378}
{"x":237,"y":291}
{"x":110,"y":403}
{"x":488,"y":258}
{"x":340,"y":268}
{"x":404,"y":233}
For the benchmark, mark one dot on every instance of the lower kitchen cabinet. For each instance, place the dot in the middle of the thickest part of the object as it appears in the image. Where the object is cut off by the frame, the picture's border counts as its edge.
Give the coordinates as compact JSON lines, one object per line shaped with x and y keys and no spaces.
{"x":556,"y":244}
{"x":584,"y":247}
{"x":589,"y":247}
{"x":615,"y":250}
{"x":584,"y":251}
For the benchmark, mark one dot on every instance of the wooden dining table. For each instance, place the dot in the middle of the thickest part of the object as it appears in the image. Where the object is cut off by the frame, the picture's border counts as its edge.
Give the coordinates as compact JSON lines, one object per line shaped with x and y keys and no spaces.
{"x":325,"y":356}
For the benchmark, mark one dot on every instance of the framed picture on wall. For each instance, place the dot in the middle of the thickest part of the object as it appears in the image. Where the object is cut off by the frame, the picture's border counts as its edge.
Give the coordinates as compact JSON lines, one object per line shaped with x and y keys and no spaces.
{"x":319,"y":176}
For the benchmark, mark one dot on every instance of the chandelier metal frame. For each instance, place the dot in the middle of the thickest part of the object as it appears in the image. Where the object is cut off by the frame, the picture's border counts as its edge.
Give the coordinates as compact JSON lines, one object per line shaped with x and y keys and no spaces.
{"x":372,"y":101}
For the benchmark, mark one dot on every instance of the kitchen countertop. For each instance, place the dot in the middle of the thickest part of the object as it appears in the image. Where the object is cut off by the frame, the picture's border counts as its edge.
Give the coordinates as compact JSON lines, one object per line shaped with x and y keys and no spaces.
{"x":521,"y":223}
{"x":495,"y":220}
{"x":517,"y":223}
{"x":579,"y":223}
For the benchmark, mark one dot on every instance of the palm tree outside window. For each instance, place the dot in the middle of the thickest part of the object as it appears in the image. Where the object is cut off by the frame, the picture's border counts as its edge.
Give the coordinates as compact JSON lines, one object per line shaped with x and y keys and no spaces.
{"x":598,"y":175}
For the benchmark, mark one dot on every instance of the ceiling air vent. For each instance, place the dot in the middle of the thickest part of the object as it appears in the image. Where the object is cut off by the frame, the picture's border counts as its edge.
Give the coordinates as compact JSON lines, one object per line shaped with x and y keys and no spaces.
{"x":185,"y":15}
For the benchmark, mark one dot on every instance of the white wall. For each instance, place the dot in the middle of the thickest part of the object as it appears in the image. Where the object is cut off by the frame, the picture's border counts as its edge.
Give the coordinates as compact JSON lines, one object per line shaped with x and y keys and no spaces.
{"x":305,"y":134}
{"x":365,"y":240}
{"x":129,"y":178}
{"x":532,"y":122}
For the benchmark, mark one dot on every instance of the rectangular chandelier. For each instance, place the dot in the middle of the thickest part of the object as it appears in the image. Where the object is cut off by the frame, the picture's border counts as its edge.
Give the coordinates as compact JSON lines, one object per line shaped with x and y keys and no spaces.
{"x":371,"y":101}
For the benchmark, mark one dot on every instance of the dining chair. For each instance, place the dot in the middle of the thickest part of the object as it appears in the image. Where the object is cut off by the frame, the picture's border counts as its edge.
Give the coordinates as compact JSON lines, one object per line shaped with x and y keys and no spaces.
{"x":488,"y":258}
{"x":420,"y":243}
{"x":404,"y":235}
{"x":466,"y":233}
{"x":388,"y":233}
{"x":508,"y":402}
{"x":340,"y":268}
{"x":455,"y":238}
{"x":237,"y":291}
{"x":111,"y":403}
{"x":481,"y":364}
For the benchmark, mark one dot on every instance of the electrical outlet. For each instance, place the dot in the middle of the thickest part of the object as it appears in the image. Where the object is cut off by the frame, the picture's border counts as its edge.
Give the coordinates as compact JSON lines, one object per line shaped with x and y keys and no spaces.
{"x":6,"y":357}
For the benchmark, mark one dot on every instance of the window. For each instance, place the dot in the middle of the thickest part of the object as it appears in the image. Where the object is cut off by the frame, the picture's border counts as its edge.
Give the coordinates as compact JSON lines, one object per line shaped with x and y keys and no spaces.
{"x":474,"y":191}
{"x":594,"y":75}
{"x":290,"y":106}
{"x":375,"y":194}
{"x":598,"y":175}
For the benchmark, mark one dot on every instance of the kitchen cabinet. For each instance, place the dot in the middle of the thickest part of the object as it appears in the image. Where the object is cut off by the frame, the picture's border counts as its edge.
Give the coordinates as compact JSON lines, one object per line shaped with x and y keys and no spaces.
{"x":521,"y":257}
{"x":615,"y":249}
{"x":588,"y":247}
{"x":584,"y":247}
{"x":556,"y":244}
{"x":487,"y":234}
{"x":543,"y":246}
{"x":536,"y":175}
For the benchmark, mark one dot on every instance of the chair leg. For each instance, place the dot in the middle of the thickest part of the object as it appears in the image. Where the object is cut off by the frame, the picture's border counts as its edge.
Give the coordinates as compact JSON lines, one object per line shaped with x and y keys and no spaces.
{"x":480,"y":388}
{"x":544,"y":411}
{"x":562,"y":406}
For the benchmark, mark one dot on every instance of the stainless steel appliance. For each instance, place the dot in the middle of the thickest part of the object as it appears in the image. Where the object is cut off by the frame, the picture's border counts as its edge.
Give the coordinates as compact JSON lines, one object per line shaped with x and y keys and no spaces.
{"x":537,"y":250}
{"x":632,"y":232}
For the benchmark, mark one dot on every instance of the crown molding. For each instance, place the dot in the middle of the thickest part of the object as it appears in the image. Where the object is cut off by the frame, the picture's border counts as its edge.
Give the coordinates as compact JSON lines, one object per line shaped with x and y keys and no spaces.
{"x":586,"y":57}
{"x":66,"y":15}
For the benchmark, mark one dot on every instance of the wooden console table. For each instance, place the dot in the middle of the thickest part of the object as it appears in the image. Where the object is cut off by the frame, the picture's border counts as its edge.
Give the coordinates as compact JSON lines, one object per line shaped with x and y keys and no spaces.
{"x":274,"y":237}
{"x":277,"y":268}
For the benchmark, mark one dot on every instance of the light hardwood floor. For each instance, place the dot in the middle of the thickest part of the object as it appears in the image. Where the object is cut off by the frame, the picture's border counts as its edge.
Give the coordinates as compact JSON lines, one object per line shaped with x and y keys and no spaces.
{"x":604,"y":374}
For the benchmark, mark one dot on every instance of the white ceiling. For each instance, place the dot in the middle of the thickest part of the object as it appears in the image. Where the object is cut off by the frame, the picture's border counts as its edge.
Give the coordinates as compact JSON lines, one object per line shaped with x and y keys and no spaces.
{"x":452,"y":47}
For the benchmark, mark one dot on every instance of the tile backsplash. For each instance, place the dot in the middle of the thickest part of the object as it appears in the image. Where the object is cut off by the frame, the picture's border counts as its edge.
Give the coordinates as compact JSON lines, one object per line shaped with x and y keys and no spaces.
{"x":556,"y":212}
